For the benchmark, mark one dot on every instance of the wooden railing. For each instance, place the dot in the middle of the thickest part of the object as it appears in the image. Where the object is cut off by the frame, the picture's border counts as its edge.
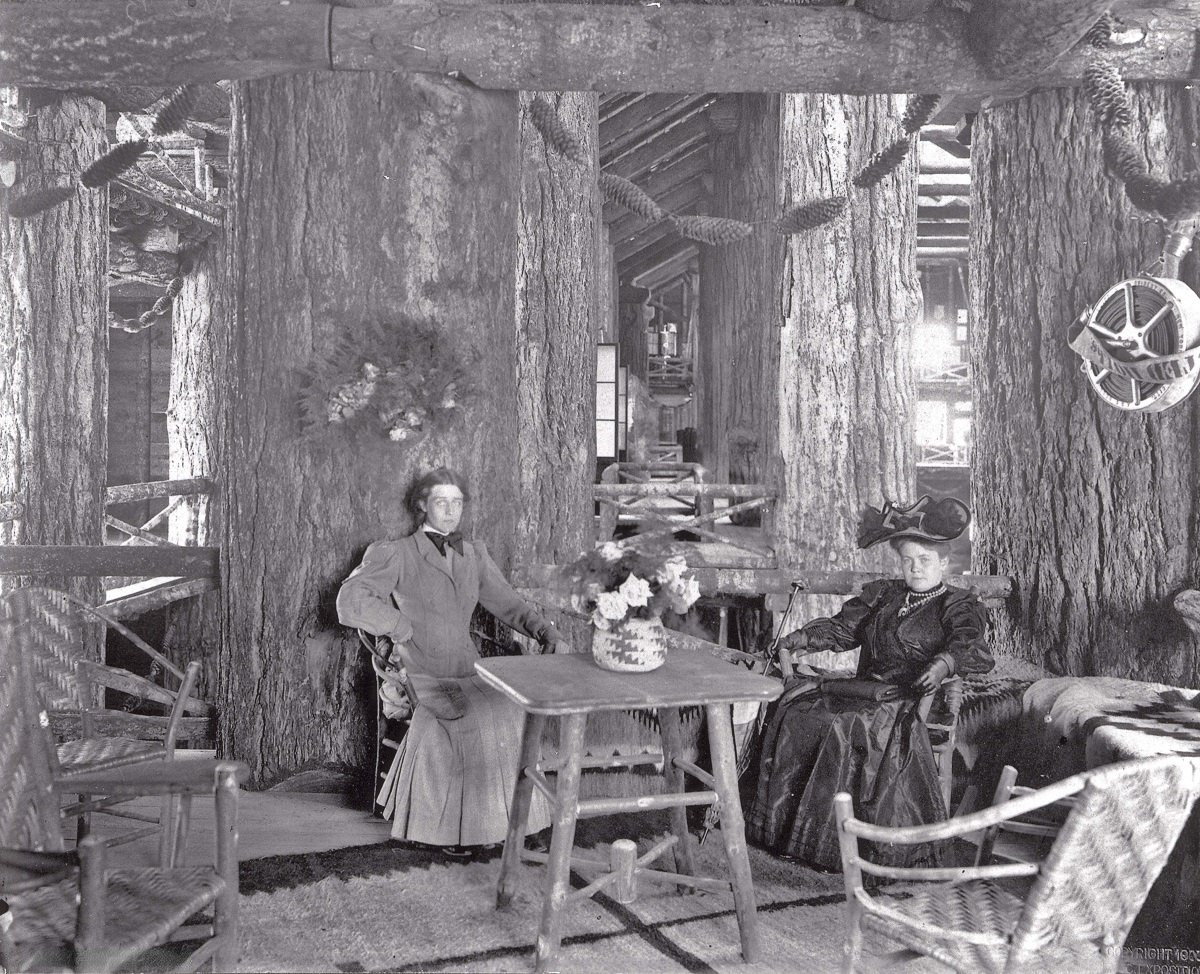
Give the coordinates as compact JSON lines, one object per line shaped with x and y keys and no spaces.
{"x":145,"y":571}
{"x":665,"y":499}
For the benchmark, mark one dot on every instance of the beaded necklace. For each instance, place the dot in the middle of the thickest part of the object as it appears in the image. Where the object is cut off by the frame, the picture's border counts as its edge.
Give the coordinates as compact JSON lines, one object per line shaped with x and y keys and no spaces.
{"x":911,"y":604}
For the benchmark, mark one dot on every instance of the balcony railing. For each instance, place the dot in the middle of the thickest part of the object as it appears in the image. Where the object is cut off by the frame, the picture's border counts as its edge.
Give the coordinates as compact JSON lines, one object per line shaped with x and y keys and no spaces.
{"x":943,"y":455}
{"x":957,"y":372}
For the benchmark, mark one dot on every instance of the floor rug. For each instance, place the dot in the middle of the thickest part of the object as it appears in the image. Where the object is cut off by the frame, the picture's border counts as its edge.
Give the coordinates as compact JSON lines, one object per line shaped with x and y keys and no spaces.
{"x":391,"y":907}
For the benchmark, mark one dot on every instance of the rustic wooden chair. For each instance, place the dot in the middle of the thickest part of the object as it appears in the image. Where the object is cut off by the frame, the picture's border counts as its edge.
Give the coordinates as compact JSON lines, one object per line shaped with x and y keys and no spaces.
{"x":1080,"y":902}
{"x":70,"y":911}
{"x":389,"y":730}
{"x":94,"y":738}
{"x":1043,"y":824}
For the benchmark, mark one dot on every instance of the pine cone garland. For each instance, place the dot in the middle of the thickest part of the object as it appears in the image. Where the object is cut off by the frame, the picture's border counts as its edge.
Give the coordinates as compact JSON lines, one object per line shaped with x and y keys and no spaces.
{"x":28,"y":204}
{"x":117,"y":160}
{"x":175,"y":287}
{"x":546,"y":121}
{"x":883,"y":163}
{"x":618,"y":189}
{"x":1099,"y":35}
{"x":174,"y":113}
{"x":810,"y":215}
{"x":713,"y":230}
{"x":1106,"y":91}
{"x":918,"y":112}
{"x":1122,"y":156}
{"x":1144,"y":192}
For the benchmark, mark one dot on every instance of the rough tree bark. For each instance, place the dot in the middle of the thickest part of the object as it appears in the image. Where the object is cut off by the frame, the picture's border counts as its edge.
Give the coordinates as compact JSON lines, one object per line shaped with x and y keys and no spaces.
{"x":558,"y":325}
{"x":199,"y":322}
{"x":1094,"y":512}
{"x":356,"y":200}
{"x":54,"y":344}
{"x":806,"y":340}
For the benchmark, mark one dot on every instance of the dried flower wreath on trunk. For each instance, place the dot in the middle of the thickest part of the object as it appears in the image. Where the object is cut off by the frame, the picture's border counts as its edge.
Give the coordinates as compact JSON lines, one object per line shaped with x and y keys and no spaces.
{"x":399,"y":382}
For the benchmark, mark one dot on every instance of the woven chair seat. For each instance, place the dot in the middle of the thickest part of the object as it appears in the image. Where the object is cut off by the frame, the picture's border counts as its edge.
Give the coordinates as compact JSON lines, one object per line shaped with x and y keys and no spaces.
{"x":102,"y":753}
{"x":976,"y":906}
{"x":143,"y":907}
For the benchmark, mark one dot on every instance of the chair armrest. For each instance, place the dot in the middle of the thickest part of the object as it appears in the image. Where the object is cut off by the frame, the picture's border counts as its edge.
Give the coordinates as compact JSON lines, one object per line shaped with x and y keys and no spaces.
{"x":24,"y":869}
{"x":116,"y":678}
{"x":964,"y":824}
{"x":178,"y":777}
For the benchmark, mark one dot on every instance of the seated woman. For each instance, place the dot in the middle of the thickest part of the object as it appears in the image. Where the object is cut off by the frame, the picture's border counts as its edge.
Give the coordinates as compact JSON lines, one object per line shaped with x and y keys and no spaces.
{"x":452,"y":779}
{"x":865,"y":736}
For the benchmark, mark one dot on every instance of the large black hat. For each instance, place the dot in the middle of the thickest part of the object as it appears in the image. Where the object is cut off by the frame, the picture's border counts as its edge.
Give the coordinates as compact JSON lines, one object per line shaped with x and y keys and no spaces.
{"x":926,"y":520}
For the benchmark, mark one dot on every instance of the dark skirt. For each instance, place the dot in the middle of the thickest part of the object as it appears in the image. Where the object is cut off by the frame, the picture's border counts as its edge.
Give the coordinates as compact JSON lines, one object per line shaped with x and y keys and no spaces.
{"x":816,"y":746}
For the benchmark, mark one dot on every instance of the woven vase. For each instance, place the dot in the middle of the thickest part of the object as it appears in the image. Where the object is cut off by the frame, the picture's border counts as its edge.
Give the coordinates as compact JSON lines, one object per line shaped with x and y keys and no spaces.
{"x":633,"y":646}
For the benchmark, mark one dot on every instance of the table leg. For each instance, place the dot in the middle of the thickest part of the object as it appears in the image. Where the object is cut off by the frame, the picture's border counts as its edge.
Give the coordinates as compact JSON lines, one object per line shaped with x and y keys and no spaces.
{"x":733,"y":828}
{"x":672,"y":740}
{"x":518,"y":815}
{"x":558,"y":867}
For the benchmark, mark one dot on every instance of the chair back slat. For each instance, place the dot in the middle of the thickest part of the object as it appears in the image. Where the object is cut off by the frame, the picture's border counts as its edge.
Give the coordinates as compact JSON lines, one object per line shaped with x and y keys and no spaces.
{"x":51,"y":635}
{"x":28,"y":805}
{"x":1109,"y":851}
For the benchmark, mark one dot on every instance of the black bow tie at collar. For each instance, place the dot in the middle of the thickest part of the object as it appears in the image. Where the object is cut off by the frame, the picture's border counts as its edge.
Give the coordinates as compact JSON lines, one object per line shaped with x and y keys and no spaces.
{"x":440,"y":541}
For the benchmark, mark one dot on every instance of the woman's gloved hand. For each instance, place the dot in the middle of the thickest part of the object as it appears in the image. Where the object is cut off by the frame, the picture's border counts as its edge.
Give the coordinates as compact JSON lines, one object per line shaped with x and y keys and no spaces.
{"x":932,"y":676}
{"x":795,"y":642}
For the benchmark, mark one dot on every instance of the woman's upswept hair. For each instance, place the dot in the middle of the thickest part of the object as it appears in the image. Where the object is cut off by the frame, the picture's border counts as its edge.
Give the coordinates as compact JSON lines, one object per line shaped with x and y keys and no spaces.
{"x":941,"y":548}
{"x":419,"y":493}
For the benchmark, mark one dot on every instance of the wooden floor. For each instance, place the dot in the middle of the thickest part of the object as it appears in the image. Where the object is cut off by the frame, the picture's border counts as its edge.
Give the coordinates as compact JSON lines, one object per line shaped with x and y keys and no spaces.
{"x":270,"y":823}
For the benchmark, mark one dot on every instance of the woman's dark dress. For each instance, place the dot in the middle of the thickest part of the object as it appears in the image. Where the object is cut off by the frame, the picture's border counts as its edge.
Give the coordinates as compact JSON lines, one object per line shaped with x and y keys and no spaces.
{"x":816,"y":745}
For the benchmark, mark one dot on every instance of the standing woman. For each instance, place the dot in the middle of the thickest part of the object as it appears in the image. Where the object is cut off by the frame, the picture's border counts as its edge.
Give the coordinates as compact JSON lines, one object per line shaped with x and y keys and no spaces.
{"x":865,"y":736}
{"x":452,"y":779}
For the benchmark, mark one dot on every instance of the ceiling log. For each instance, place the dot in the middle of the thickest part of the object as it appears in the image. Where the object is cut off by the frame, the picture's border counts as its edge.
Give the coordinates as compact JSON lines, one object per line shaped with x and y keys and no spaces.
{"x":551,"y":46}
{"x":1021,"y":38}
{"x":645,"y":120}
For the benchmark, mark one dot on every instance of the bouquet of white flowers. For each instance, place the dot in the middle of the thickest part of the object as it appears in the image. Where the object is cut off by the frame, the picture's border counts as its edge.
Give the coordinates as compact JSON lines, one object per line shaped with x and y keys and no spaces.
{"x":613,"y":584}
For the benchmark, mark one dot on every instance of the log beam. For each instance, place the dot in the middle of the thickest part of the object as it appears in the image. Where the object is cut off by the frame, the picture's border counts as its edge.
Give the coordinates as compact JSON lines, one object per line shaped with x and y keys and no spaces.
{"x":1021,"y":38}
{"x":108,"y":560}
{"x":551,"y":46}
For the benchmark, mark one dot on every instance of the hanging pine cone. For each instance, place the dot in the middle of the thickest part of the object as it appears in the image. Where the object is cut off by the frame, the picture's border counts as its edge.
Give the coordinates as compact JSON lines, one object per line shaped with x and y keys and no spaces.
{"x":115,"y":161}
{"x":174,"y":113}
{"x":808,"y":216}
{"x":883,"y":163}
{"x":175,"y":287}
{"x":918,"y":112}
{"x":1122,"y":156}
{"x":546,"y":121}
{"x":1106,"y":91}
{"x":1179,"y":199}
{"x":713,"y":230}
{"x":27,"y":204}
{"x":618,"y":189}
{"x":1100,"y":34}
{"x":1144,"y":192}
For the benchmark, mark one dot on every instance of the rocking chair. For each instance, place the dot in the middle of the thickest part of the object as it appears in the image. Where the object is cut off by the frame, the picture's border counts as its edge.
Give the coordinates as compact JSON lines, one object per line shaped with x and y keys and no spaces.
{"x":1082,"y":899}
{"x":69,"y":911}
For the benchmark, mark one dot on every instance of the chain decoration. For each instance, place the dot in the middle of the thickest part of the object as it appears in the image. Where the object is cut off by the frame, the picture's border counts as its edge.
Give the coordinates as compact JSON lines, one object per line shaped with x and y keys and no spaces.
{"x":716,"y":231}
{"x":158,"y":310}
{"x":171,"y":117}
{"x":1170,"y":199}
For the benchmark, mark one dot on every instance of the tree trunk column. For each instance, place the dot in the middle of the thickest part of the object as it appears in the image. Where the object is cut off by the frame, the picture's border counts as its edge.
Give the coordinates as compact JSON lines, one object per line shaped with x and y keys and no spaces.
{"x":54,"y":344}
{"x":848,"y":297}
{"x":1093,"y":511}
{"x":357,"y":199}
{"x":739,"y":333}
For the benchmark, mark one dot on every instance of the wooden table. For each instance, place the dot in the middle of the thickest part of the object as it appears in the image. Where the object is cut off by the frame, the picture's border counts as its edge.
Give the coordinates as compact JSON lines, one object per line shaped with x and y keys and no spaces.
{"x":570,"y":687}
